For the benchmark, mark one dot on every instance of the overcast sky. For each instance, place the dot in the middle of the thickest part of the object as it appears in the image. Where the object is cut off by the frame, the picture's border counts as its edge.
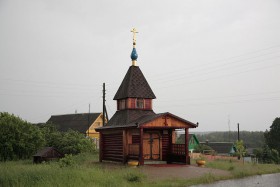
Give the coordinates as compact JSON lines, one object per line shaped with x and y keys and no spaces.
{"x":215,"y":62}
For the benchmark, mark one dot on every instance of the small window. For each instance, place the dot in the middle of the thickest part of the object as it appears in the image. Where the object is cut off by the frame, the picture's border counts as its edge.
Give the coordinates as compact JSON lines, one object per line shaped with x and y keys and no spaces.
{"x":121,"y":104}
{"x":135,"y":139}
{"x":148,"y":104}
{"x":140,"y":103}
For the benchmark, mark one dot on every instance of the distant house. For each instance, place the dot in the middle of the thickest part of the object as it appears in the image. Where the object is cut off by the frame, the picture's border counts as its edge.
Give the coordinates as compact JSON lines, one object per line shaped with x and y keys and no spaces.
{"x":221,"y":148}
{"x":47,"y":154}
{"x":193,"y":142}
{"x":192,"y":139}
{"x":84,"y":123}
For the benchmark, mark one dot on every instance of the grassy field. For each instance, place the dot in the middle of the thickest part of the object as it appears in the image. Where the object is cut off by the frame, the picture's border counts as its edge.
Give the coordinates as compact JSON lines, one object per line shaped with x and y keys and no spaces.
{"x":239,"y":169}
{"x":84,"y":170}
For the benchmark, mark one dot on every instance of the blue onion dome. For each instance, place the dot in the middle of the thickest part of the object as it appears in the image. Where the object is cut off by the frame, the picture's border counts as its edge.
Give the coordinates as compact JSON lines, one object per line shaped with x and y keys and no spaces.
{"x":134,"y":54}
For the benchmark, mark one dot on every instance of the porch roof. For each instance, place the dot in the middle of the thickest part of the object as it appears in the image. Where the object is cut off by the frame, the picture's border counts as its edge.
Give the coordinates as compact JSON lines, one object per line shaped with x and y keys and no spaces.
{"x":137,"y":118}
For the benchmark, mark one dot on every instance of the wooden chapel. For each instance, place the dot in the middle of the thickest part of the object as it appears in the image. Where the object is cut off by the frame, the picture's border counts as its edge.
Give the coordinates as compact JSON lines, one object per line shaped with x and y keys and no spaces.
{"x":136,"y":132}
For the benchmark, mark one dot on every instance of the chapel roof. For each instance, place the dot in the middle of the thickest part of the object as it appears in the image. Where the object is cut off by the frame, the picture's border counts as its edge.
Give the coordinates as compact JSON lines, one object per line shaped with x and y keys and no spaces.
{"x":134,"y":85}
{"x":136,"y":118}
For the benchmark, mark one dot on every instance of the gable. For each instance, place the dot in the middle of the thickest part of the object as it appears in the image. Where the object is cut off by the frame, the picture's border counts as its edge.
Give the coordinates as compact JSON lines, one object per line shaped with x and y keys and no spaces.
{"x":96,"y":124}
{"x":193,"y":141}
{"x":167,"y":120}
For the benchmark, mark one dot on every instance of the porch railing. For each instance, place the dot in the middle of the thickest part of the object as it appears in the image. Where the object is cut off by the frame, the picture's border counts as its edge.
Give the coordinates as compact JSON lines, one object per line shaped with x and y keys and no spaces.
{"x":178,"y":149}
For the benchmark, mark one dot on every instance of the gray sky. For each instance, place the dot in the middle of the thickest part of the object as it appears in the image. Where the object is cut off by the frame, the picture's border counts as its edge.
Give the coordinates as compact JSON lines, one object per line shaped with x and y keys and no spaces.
{"x":207,"y":61}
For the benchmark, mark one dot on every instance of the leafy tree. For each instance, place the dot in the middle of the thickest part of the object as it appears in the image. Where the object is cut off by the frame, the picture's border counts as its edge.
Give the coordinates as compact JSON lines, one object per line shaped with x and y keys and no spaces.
{"x":73,"y":142}
{"x":267,"y":155}
{"x":275,"y":156}
{"x":272,"y":137}
{"x":70,"y":142}
{"x":18,"y":138}
{"x":240,"y":149}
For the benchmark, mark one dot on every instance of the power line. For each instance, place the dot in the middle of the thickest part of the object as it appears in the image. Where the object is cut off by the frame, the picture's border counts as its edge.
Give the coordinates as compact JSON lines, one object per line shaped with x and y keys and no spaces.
{"x":219,"y":60}
{"x":227,"y":75}
{"x":231,"y":96}
{"x":225,"y":102}
{"x":223,"y":68}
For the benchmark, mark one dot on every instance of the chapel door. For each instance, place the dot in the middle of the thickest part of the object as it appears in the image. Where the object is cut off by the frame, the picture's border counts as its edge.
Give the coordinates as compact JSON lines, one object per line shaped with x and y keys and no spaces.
{"x":151,"y":146}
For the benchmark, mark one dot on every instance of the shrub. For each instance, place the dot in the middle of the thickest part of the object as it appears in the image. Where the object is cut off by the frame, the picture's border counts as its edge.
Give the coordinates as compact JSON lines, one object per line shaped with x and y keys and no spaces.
{"x":70,"y":142}
{"x":18,"y":138}
{"x":67,"y":161}
{"x":131,"y":177}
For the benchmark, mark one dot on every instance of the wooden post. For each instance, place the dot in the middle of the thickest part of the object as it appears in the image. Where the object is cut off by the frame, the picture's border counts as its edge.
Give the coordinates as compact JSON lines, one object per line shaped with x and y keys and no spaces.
{"x":187,"y":146}
{"x":169,"y":154}
{"x":100,"y":147}
{"x":141,"y":158}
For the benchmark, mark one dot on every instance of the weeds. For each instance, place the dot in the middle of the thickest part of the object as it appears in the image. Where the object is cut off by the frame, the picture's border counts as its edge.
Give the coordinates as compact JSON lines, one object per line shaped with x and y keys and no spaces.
{"x":132,"y":177}
{"x":84,"y":170}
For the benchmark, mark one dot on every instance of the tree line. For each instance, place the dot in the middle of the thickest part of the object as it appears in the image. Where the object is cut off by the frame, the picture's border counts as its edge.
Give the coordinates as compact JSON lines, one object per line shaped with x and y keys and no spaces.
{"x":251,"y":139}
{"x":20,"y":139}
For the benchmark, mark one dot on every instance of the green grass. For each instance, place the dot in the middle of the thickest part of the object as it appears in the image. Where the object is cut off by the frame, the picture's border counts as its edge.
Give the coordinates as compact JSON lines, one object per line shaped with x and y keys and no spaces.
{"x":84,"y":170}
{"x":238,"y":169}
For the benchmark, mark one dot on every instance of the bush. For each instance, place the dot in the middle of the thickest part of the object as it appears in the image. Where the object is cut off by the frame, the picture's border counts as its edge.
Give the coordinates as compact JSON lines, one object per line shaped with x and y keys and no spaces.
{"x":267,"y":155}
{"x":18,"y":138}
{"x":70,"y":142}
{"x":66,"y":161}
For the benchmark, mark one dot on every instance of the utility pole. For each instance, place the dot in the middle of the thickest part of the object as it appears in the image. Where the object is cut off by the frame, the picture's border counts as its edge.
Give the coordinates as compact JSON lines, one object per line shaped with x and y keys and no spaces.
{"x":228,"y":128}
{"x":88,"y":118}
{"x":238,"y":138}
{"x":104,"y":107}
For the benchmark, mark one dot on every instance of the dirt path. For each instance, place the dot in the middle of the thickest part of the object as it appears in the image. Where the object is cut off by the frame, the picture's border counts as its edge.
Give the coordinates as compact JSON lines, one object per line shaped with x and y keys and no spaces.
{"x":155,"y":172}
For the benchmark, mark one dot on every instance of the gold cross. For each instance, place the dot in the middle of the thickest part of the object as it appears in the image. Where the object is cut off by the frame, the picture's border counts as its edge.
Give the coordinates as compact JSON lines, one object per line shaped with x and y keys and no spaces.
{"x":134,"y":35}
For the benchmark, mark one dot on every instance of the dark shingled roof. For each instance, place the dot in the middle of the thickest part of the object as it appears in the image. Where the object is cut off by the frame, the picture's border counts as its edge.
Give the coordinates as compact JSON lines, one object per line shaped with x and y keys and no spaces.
{"x":134,"y":85}
{"x":220,"y":147}
{"x":46,"y":152}
{"x":134,"y":118}
{"x":128,"y":117}
{"x":77,"y":122}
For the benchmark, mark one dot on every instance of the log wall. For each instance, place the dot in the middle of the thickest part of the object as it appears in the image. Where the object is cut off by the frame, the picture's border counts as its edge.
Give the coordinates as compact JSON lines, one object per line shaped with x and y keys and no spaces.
{"x":112,"y":147}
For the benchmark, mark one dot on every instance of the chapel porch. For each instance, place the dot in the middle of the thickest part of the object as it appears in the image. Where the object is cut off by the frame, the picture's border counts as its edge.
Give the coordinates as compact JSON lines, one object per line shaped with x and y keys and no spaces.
{"x":154,"y":144}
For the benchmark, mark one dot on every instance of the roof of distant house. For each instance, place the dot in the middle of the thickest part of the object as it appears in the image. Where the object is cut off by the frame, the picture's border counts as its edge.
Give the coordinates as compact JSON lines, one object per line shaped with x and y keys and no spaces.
{"x":77,"y":122}
{"x":220,"y":147}
{"x":44,"y":152}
